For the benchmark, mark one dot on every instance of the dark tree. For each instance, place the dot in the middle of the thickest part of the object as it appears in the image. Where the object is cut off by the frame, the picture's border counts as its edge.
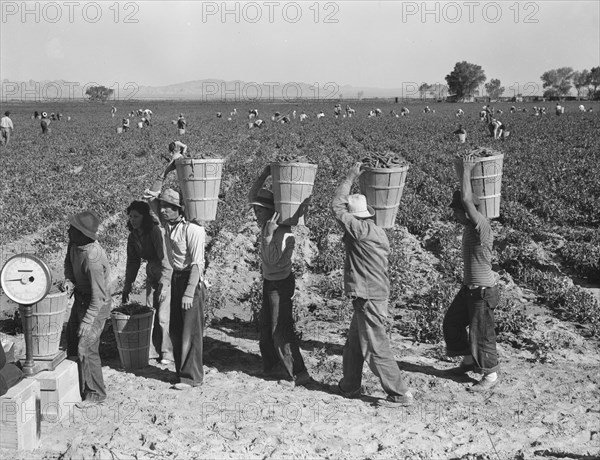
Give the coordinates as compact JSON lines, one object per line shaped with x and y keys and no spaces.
{"x":98,"y":93}
{"x":464,"y":79}
{"x":558,"y":82}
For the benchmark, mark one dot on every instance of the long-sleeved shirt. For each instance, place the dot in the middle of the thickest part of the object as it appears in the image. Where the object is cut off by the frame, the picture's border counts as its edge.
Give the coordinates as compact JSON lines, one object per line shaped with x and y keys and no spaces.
{"x":184,"y":242}
{"x":367,"y":251}
{"x":149,"y":246}
{"x":6,"y":122}
{"x":88,"y":269}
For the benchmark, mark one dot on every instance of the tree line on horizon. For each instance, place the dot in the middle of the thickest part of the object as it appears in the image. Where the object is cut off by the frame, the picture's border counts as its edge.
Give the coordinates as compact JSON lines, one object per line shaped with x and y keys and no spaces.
{"x":465,"y":79}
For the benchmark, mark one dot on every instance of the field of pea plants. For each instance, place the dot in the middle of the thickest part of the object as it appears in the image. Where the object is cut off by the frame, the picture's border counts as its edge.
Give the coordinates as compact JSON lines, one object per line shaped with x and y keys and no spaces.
{"x":546,"y":250}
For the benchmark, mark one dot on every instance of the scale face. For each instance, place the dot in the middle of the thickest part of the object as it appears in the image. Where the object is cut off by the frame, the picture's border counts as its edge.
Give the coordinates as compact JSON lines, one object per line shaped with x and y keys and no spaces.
{"x":25,"y":279}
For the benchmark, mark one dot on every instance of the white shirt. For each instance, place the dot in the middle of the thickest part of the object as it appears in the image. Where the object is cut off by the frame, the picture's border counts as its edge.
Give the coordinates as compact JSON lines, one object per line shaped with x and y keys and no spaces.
{"x":6,"y":122}
{"x":185,"y":245}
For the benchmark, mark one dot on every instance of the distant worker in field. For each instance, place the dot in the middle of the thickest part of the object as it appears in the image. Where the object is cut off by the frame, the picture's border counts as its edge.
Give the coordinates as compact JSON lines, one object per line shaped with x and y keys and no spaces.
{"x":185,"y":249}
{"x":473,"y":307}
{"x":404,"y":112}
{"x":113,"y":111}
{"x":6,"y":128}
{"x":278,"y":340}
{"x":560,"y":110}
{"x":146,"y":242}
{"x":125,"y":125}
{"x":45,"y":123}
{"x":497,"y":128}
{"x":367,"y":283}
{"x":87,"y":275}
{"x":36,"y":115}
{"x":181,"y":123}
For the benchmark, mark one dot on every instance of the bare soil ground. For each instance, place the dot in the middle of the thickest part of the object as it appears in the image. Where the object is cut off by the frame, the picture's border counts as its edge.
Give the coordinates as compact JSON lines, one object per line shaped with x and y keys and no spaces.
{"x":547,"y":405}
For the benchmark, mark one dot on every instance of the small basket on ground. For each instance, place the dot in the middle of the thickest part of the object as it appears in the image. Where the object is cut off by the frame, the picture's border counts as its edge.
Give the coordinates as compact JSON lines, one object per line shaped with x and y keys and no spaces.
{"x":132,"y":325}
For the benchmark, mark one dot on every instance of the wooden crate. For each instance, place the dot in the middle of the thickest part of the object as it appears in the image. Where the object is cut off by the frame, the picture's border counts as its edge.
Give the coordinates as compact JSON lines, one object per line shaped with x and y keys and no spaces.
{"x":59,"y":391}
{"x":20,"y":418}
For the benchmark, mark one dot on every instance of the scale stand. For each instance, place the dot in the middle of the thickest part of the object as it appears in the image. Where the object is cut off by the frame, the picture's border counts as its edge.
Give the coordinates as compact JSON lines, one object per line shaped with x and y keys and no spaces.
{"x":26,"y":280}
{"x":33,"y":366}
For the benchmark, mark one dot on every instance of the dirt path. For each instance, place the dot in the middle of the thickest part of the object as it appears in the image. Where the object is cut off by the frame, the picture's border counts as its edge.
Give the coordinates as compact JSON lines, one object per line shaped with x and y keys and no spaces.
{"x":547,"y":405}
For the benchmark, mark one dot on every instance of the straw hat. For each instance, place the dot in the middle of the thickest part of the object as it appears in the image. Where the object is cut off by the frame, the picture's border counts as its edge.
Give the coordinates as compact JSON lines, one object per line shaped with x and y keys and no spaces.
{"x":86,"y":222}
{"x":358,"y":207}
{"x":170,"y":196}
{"x":264,"y":198}
{"x":44,"y":114}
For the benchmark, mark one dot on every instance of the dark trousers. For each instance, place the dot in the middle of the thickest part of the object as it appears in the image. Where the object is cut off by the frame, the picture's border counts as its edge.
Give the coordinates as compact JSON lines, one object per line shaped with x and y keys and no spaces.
{"x":186,"y":330}
{"x":278,"y":339}
{"x":368,"y":341}
{"x":473,"y":309}
{"x":86,"y":348}
{"x":161,"y":340}
{"x":10,"y":374}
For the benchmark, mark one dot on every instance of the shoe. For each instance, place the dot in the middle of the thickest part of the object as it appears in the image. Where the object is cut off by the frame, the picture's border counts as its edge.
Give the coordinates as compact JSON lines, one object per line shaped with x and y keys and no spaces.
{"x":350,"y":395}
{"x":396,"y":401}
{"x":291,"y":384}
{"x":91,"y":399}
{"x":303,"y":378}
{"x":182,"y":386}
{"x":276,"y":372}
{"x":461,"y":369}
{"x":483,"y":385}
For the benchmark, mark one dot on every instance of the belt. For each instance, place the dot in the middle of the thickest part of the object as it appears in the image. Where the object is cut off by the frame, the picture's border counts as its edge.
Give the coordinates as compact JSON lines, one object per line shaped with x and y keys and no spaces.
{"x":474,"y":287}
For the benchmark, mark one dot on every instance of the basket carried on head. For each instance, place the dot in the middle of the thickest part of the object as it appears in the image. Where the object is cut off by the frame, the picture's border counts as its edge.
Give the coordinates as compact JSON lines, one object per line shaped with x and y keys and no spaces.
{"x":486,"y":182}
{"x":200,"y":180}
{"x":133,"y":333}
{"x":292,"y":188}
{"x":383,"y":188}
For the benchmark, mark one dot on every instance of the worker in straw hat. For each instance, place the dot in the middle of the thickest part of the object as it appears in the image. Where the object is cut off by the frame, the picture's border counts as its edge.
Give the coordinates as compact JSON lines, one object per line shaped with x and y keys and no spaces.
{"x":367,"y":283}
{"x":185,"y":251}
{"x":45,"y":123}
{"x":474,"y":305}
{"x":87,"y":274}
{"x":277,"y":335}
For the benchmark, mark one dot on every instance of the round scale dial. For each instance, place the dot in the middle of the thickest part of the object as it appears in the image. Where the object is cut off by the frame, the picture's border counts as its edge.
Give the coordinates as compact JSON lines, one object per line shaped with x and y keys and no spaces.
{"x":26,"y":279}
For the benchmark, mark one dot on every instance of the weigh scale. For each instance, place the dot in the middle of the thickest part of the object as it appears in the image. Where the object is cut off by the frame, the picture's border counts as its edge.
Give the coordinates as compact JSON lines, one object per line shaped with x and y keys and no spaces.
{"x":26,"y":280}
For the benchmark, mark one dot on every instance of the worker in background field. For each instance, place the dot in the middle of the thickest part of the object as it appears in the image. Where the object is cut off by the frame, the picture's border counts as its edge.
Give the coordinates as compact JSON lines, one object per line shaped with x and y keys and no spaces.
{"x":278,"y":339}
{"x":181,"y":123}
{"x":474,"y":305}
{"x":6,"y":128}
{"x":146,"y":241}
{"x":367,"y":283}
{"x":45,"y":123}
{"x":185,"y":249}
{"x":87,"y":273}
{"x":125,"y":125}
{"x":496,"y":128}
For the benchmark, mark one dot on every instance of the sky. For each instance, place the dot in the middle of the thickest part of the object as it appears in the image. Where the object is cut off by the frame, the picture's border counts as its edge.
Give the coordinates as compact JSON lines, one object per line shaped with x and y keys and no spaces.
{"x":385,"y":44}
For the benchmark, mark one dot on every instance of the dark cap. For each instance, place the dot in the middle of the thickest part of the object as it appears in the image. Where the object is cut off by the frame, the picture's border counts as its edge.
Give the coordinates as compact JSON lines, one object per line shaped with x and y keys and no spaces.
{"x":264,"y":198}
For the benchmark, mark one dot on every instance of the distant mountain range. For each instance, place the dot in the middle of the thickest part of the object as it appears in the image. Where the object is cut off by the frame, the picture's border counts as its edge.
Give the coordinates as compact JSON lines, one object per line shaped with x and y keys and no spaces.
{"x":208,"y":90}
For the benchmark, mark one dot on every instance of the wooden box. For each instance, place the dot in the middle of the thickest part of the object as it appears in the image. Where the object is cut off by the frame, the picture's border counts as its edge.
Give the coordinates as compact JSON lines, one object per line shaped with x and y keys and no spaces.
{"x":20,"y":418}
{"x":59,"y":391}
